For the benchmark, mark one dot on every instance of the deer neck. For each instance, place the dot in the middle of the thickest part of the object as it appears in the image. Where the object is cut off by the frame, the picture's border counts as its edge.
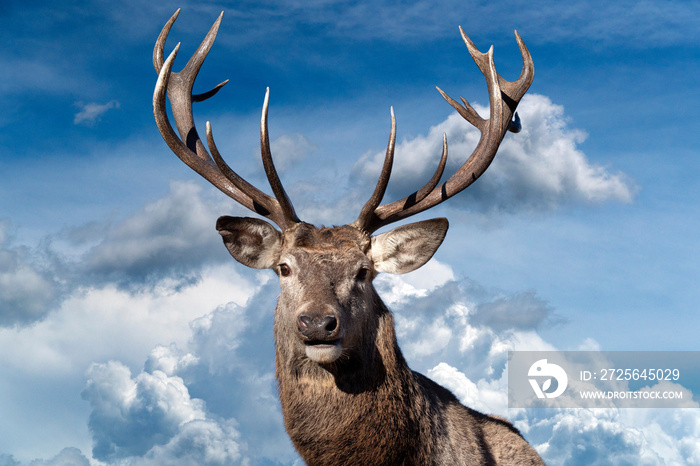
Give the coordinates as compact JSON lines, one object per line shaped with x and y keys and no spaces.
{"x":364,"y":400}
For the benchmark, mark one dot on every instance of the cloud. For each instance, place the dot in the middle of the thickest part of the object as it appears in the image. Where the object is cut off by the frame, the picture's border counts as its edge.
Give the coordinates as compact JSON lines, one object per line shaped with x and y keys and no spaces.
{"x":207,"y":393}
{"x":540,"y":168}
{"x":28,"y":288}
{"x":620,"y":24}
{"x":446,"y":333}
{"x":290,"y":149}
{"x":210,"y":397}
{"x":234,"y":347}
{"x":451,"y":323}
{"x":172,"y":237}
{"x":67,"y":457}
{"x":198,"y":443}
{"x":203,"y":404}
{"x":520,"y":311}
{"x":224,"y":375}
{"x":91,"y":112}
{"x":153,"y":418}
{"x":600,"y":437}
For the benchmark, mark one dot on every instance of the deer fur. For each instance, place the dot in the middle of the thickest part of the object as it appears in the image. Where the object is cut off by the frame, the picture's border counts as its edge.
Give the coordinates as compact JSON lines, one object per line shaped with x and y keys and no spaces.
{"x":365,"y":406}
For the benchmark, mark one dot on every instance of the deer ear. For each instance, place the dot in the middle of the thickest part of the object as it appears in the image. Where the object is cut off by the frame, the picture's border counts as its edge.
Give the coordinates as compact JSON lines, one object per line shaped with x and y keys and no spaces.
{"x":408,"y":247}
{"x":251,"y":241}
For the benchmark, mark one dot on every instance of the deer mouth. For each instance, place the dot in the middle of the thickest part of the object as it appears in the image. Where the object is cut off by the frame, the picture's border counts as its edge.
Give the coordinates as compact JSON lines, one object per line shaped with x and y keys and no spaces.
{"x":323,"y":351}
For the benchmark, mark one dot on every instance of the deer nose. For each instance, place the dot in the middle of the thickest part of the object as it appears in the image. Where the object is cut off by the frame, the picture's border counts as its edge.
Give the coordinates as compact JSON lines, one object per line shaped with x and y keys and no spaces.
{"x":317,"y":326}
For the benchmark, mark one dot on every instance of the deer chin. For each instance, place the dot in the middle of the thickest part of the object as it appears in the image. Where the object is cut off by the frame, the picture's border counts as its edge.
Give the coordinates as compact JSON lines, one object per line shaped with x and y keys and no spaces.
{"x":324,"y":352}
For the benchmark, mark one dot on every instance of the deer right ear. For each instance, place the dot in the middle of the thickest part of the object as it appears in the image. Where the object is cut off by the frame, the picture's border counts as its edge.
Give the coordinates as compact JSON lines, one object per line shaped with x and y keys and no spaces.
{"x":251,"y":241}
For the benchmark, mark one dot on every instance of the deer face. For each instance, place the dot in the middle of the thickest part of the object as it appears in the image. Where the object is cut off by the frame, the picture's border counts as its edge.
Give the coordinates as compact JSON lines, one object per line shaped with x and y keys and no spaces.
{"x":327,"y":302}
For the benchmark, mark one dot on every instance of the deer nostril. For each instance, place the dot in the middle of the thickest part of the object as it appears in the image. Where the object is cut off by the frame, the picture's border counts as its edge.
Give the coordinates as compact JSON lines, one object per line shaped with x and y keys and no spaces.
{"x":304,"y":321}
{"x":330,"y":323}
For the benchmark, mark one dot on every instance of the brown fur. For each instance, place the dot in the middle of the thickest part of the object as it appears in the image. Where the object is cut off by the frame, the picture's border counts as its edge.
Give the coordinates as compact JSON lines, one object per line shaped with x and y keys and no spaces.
{"x":368,"y":407}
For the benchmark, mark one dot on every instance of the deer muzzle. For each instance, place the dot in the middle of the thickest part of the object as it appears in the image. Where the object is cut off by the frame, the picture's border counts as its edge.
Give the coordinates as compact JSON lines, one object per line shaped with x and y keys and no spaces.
{"x":320,"y":331}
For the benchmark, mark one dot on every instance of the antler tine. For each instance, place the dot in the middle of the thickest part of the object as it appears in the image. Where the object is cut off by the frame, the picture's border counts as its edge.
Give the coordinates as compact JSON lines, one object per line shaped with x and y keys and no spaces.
{"x":158,"y":52}
{"x":277,"y":189}
{"x":430,"y":185}
{"x":188,"y":146}
{"x":467,"y":111}
{"x":504,"y":97}
{"x":259,"y":199}
{"x":367,"y":211}
{"x":516,"y":90}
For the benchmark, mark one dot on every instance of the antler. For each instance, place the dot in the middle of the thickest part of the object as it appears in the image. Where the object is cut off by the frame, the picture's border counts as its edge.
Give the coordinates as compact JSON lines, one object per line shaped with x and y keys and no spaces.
{"x":504,"y":97}
{"x":188,"y":146}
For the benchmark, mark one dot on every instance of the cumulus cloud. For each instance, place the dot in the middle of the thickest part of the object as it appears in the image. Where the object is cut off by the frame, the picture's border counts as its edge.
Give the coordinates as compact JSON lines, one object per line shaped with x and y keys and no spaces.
{"x":212,"y":400}
{"x":153,"y":418}
{"x":167,"y":244}
{"x":539,"y":168}
{"x":594,"y":437}
{"x":28,"y":288}
{"x":204,"y":402}
{"x":172,"y":237}
{"x":67,"y":457}
{"x":198,"y":442}
{"x":451,"y":323}
{"x":225,"y":373}
{"x":91,"y":112}
{"x":207,"y":394}
{"x":447,"y":334}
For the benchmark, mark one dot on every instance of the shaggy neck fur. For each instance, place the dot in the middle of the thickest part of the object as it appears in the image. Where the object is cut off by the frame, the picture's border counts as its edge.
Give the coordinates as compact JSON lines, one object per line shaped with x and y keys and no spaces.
{"x":360,"y":410}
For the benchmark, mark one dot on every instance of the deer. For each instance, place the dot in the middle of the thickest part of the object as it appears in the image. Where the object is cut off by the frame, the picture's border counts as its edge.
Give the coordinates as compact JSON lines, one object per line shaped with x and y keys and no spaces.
{"x":347,"y":395}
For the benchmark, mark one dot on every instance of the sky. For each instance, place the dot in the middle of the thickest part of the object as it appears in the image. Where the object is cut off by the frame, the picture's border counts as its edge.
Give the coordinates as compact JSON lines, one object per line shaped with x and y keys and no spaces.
{"x":129,"y":336}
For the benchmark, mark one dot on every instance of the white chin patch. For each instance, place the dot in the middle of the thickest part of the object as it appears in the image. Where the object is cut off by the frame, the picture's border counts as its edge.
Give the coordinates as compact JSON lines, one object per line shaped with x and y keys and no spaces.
{"x":324,"y":354}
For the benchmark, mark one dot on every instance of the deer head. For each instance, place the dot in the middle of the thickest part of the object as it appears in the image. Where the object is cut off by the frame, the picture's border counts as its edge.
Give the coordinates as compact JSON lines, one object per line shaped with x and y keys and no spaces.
{"x":327,"y":305}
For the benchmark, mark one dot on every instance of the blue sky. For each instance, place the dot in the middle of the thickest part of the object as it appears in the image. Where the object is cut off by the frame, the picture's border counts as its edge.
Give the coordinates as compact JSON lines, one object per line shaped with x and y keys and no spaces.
{"x":120,"y":340}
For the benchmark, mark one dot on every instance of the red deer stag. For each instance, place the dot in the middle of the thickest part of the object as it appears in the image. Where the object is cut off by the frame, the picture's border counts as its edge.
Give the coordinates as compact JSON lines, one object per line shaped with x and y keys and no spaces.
{"x":348,"y":396}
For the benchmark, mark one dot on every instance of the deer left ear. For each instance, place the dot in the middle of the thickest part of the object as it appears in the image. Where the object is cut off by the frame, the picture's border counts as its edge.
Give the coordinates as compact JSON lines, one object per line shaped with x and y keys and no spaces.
{"x":408,"y":247}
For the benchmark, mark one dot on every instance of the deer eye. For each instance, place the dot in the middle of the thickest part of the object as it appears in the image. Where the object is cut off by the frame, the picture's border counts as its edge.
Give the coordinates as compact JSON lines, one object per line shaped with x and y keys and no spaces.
{"x":362,"y":274}
{"x":285,"y":270}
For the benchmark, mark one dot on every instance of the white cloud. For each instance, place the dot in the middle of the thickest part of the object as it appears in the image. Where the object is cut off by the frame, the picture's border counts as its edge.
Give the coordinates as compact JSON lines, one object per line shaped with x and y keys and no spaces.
{"x":210,"y":397}
{"x":26,"y":293}
{"x":28,"y":288}
{"x":599,"y":437}
{"x":153,"y":417}
{"x":521,"y":311}
{"x":450,"y":323}
{"x":541,"y":167}
{"x":290,"y":149}
{"x":471,"y":359}
{"x":199,"y":442}
{"x":166,"y":244}
{"x":99,"y":323}
{"x":228,"y":362}
{"x":67,"y":457}
{"x":91,"y":112}
{"x":171,"y":237}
